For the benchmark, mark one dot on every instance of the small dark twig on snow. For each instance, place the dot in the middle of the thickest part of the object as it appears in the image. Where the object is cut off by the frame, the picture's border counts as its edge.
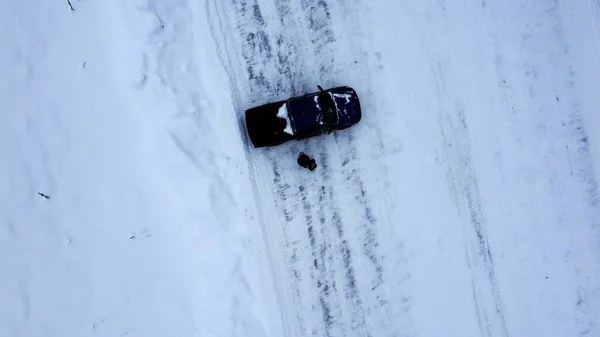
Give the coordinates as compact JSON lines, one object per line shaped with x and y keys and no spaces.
{"x":70,"y":5}
{"x":162,"y":23}
{"x":43,"y":195}
{"x":95,"y":325}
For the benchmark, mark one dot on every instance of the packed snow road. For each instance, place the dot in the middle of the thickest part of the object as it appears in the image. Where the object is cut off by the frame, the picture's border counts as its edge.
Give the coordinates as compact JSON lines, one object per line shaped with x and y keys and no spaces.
{"x":466,"y":201}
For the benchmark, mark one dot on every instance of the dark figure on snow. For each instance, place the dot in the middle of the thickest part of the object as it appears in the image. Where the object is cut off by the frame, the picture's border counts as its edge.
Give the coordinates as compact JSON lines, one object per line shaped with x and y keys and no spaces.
{"x":328,"y":108}
{"x":306,"y":162}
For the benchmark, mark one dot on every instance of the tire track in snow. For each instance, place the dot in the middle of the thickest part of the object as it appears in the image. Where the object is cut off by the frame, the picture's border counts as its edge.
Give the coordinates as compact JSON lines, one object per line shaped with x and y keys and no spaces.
{"x":257,"y":49}
{"x":318,"y":16}
{"x":366,"y":227}
{"x":562,"y":115}
{"x":291,"y":244}
{"x":581,"y":152}
{"x":350,"y":289}
{"x":320,"y":256}
{"x":463,"y":182}
{"x":330,"y":274}
{"x":594,"y":9}
{"x":577,"y":151}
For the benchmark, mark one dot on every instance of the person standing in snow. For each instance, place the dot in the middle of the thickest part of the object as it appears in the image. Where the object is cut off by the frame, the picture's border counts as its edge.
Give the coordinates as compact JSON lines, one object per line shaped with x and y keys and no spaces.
{"x":305,"y":161}
{"x":328,"y":108}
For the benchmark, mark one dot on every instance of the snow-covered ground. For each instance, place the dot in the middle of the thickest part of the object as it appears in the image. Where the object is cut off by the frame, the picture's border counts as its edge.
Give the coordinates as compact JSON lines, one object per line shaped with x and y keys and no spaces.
{"x":465,"y":203}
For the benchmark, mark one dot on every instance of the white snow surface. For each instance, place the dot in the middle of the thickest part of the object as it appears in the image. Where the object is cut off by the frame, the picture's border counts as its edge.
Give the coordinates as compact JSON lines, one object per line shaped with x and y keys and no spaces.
{"x":465,"y":202}
{"x":283,"y":114}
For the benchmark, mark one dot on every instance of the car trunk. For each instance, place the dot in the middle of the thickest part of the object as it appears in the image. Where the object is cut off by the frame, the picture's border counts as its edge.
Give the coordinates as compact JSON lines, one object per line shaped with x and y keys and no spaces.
{"x":267,"y":125}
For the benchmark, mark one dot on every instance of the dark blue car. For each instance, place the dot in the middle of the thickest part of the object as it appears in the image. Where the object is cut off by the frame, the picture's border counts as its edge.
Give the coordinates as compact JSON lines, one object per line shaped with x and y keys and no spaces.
{"x":303,"y":117}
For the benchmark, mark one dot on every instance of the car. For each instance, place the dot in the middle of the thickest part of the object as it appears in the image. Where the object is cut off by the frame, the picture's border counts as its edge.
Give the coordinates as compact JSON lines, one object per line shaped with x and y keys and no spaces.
{"x":303,"y":117}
